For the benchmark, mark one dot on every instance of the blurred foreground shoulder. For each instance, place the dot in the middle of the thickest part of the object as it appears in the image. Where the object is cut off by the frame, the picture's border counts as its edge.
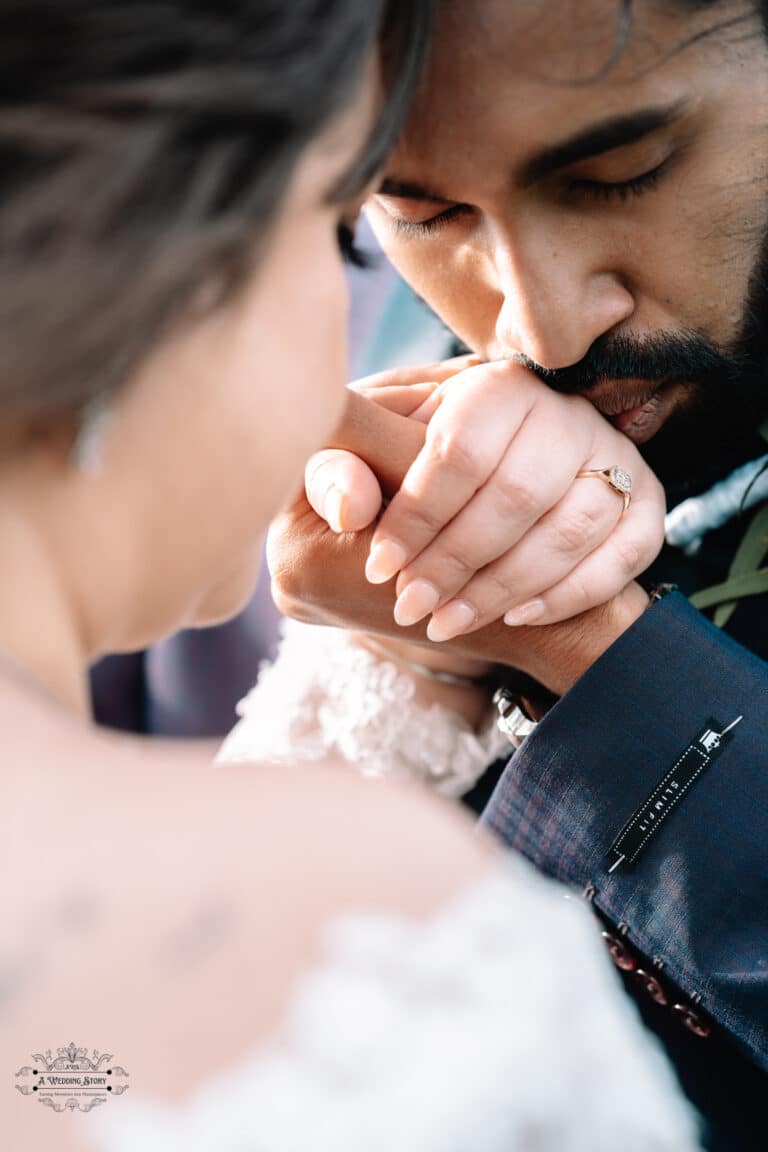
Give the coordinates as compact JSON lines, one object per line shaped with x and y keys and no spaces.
{"x":441,"y":997}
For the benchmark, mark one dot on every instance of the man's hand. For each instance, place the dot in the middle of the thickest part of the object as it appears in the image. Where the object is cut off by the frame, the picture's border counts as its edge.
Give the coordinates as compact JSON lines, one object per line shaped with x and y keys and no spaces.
{"x":318,"y":574}
{"x":343,"y":486}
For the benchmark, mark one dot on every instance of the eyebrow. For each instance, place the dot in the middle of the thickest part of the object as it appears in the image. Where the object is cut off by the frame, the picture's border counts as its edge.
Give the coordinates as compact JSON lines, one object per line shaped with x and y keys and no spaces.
{"x":405,"y":190}
{"x":618,"y":132}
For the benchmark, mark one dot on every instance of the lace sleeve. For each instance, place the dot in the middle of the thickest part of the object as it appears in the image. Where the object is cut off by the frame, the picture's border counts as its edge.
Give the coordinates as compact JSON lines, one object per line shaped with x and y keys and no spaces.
{"x":498,"y":1026}
{"x":325,"y":695}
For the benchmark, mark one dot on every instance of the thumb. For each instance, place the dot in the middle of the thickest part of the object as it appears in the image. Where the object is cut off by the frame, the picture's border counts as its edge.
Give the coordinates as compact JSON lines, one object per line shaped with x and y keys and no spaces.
{"x":387,"y":442}
{"x":343,"y":490}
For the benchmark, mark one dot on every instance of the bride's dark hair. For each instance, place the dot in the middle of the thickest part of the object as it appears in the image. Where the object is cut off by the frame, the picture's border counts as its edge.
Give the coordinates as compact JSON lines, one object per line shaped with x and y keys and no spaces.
{"x":144,"y":150}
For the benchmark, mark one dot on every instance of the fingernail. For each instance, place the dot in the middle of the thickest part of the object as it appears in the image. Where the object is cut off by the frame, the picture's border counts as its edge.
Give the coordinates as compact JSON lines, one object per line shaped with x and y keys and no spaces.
{"x":385,"y":560}
{"x":333,"y":507}
{"x":525,"y":613}
{"x":416,"y":601}
{"x":451,"y":621}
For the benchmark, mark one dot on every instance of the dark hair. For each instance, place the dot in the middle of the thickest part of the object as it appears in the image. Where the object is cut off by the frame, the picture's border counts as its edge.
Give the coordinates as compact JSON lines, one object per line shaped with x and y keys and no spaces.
{"x":144,"y":150}
{"x":625,"y":15}
{"x":760,"y":6}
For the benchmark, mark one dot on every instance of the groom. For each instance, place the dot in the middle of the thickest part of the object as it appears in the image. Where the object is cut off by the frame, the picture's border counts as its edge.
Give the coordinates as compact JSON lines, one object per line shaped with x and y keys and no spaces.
{"x":582,"y":187}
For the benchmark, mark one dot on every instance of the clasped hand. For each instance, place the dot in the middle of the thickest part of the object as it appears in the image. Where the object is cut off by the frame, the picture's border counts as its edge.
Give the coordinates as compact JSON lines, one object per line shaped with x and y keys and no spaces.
{"x":491,"y":519}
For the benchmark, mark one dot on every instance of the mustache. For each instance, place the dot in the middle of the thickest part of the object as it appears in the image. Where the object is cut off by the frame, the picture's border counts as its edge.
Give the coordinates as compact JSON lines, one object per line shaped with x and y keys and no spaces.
{"x":666,"y":358}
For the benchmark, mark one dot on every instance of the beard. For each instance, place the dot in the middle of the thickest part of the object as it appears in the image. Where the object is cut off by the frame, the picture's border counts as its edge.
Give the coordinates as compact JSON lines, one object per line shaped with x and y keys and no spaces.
{"x":716,"y":426}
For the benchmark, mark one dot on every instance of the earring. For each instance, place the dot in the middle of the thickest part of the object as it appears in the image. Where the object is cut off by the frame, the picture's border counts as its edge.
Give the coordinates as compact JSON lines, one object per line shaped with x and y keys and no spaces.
{"x":88,"y":448}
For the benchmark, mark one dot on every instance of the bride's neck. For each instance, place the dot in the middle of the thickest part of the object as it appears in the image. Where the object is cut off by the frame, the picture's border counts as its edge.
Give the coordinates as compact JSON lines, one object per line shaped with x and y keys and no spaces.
{"x":38,"y":628}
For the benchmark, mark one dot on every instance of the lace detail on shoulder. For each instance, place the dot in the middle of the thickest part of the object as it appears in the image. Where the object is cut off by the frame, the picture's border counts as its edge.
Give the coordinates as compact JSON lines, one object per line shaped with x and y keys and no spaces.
{"x":497,"y":1026}
{"x":324,"y":695}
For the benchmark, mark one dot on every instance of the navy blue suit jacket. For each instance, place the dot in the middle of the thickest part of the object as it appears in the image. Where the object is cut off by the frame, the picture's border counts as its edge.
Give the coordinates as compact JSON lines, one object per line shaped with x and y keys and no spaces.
{"x":689,"y":921}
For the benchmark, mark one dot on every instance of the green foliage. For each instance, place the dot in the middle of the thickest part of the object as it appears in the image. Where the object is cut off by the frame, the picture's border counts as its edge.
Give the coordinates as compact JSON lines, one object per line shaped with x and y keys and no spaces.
{"x":746,"y":577}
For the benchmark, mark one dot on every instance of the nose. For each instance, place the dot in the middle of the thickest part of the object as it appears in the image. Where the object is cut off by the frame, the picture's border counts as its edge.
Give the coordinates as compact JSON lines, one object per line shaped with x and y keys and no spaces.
{"x":555,"y":298}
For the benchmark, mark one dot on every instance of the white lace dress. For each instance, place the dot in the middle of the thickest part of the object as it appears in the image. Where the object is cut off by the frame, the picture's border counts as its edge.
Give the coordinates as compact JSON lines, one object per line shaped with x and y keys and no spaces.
{"x":326,"y":696}
{"x":497,"y":1026}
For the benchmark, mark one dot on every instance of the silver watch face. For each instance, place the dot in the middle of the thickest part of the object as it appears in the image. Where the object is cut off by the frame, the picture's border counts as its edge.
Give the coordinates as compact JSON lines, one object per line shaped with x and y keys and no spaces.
{"x":512,"y":720}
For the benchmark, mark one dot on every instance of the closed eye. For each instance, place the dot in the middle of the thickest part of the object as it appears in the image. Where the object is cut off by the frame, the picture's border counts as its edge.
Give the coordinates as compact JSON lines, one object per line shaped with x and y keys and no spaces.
{"x":621,"y":189}
{"x":433,"y":224}
{"x":601,"y":190}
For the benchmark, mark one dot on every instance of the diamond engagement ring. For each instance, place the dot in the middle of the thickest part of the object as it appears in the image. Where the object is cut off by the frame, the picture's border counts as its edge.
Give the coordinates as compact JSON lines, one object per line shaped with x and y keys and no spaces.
{"x":616,"y":478}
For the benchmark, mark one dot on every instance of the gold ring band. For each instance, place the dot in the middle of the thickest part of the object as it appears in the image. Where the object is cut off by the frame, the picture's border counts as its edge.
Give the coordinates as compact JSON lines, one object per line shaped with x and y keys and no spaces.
{"x":616,"y":478}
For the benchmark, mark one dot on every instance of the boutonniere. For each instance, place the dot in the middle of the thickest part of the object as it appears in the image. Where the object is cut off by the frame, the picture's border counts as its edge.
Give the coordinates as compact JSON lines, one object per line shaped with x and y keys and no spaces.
{"x":747,"y":576}
{"x":748,"y":573}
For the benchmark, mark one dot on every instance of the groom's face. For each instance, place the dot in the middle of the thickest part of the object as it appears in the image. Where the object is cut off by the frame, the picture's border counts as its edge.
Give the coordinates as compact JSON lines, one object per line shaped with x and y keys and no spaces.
{"x":594,"y":199}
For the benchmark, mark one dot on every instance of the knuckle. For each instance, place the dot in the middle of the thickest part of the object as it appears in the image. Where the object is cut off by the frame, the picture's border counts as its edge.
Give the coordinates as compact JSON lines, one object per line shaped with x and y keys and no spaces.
{"x":631,"y":557}
{"x":450,"y":564}
{"x":286,"y":583}
{"x":658,"y":538}
{"x":291,"y":558}
{"x":414,"y":519}
{"x":304,"y":611}
{"x":451,"y":450}
{"x":659,"y":494}
{"x":285,"y":603}
{"x":495,"y":590}
{"x":574,"y":530}
{"x":576,"y":595}
{"x":648,"y":531}
{"x":516,"y":494}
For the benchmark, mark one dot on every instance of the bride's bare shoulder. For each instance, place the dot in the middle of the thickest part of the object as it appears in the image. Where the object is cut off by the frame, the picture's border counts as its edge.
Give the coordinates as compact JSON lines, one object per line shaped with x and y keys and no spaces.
{"x":283,"y":824}
{"x":175,"y":899}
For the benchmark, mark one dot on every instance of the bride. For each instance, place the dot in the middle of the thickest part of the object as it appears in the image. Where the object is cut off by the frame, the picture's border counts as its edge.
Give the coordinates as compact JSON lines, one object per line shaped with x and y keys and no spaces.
{"x":272,"y":958}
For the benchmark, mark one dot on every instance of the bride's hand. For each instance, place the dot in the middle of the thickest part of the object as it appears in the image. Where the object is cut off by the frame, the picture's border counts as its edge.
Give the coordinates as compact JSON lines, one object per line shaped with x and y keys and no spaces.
{"x":317,"y":575}
{"x":490,"y":519}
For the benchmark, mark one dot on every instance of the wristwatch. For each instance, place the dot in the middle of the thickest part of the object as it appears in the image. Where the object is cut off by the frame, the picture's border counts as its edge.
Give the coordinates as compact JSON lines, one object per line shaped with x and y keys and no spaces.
{"x":512,"y":721}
